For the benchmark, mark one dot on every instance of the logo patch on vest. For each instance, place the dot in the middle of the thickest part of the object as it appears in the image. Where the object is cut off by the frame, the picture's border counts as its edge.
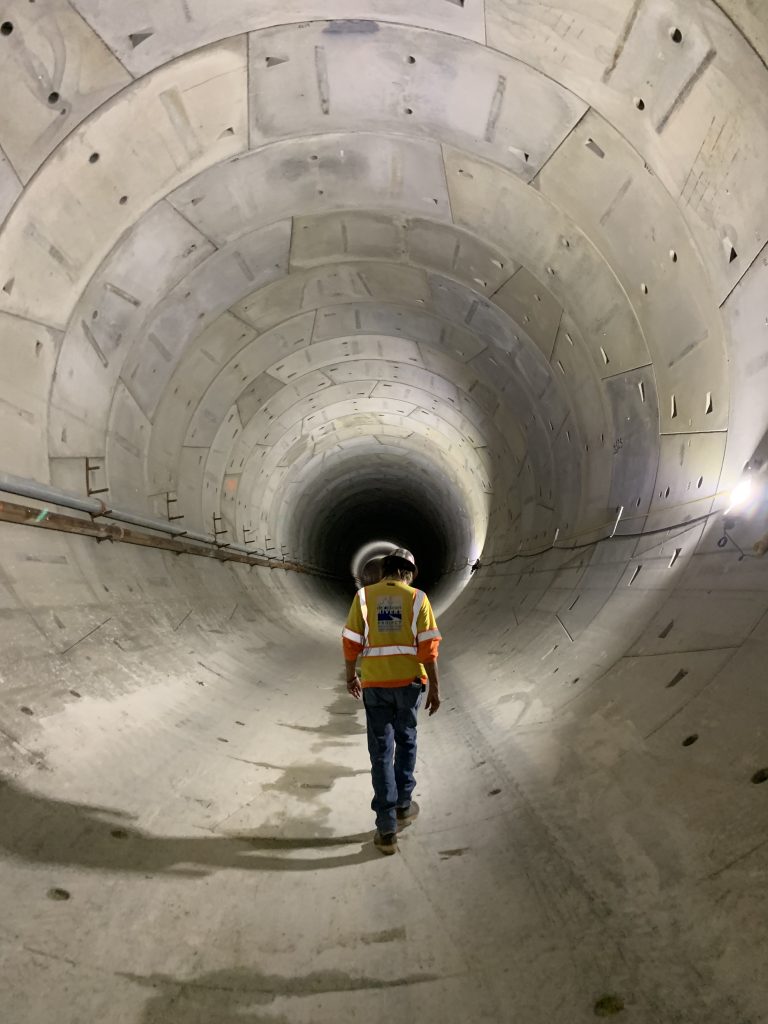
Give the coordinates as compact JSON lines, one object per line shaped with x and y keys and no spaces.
{"x":389,"y":613}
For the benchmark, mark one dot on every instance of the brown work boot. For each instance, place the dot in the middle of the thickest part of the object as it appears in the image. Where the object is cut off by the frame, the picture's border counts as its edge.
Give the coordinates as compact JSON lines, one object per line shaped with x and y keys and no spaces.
{"x":387,"y":844}
{"x":405,"y":815}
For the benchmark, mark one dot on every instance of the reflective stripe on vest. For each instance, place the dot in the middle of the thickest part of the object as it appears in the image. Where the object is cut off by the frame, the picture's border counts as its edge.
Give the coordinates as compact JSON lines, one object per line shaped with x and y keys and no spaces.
{"x":429,"y":634}
{"x":364,"y":610}
{"x":383,"y":652}
{"x":357,"y":637}
{"x":418,"y":601}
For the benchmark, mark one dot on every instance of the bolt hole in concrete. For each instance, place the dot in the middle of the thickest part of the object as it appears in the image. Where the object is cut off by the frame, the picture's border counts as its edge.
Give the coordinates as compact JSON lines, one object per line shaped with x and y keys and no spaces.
{"x":676,"y":35}
{"x":494,"y":792}
{"x":119,"y":833}
{"x":639,"y":103}
{"x":607,"y":1006}
{"x":644,"y":289}
{"x":408,"y":110}
{"x":6,"y":28}
{"x":690,"y":740}
{"x":75,"y":693}
{"x":93,"y":158}
{"x":411,"y":60}
{"x":594,"y":148}
{"x":761,"y":776}
{"x":26,"y":711}
{"x":673,"y":255}
{"x":58,"y":894}
{"x":53,"y":98}
{"x":123,"y":200}
{"x":677,"y":678}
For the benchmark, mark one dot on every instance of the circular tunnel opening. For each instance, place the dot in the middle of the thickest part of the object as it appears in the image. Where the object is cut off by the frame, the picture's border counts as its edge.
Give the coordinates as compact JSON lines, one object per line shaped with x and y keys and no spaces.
{"x":369,"y":499}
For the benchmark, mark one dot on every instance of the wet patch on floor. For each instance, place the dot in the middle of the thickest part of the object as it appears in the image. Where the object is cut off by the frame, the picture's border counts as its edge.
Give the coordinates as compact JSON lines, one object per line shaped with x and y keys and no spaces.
{"x":448,"y":854}
{"x":608,"y":1006}
{"x":390,"y":935}
{"x":342,"y":721}
{"x":231,"y":994}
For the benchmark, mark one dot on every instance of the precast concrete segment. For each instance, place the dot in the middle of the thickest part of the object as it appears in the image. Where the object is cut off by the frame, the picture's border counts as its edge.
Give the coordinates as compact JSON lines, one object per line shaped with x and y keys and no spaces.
{"x":488,"y":269}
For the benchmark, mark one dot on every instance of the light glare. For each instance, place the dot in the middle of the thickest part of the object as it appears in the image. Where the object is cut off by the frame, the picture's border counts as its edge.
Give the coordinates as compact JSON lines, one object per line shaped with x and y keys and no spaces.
{"x":740,"y":495}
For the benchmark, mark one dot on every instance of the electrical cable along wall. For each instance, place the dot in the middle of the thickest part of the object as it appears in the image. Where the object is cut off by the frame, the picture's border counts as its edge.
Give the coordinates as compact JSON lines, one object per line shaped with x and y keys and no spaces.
{"x":487,"y":280}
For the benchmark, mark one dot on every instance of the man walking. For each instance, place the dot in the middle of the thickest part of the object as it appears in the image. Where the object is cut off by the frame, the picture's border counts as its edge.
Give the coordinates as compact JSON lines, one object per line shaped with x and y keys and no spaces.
{"x":392,"y":626}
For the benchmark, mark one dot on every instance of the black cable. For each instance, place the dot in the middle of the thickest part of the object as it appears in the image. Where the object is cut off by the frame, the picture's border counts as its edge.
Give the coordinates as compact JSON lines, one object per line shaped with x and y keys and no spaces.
{"x":601,"y":540}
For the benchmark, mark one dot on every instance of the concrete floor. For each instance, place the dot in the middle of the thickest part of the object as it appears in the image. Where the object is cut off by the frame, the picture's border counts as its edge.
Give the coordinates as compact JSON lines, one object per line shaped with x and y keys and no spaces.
{"x":488,"y":279}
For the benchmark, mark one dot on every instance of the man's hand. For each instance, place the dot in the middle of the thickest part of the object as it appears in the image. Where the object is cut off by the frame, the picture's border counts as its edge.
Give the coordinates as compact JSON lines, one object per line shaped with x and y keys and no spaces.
{"x":354,"y":688}
{"x":433,"y":697}
{"x":433,"y":701}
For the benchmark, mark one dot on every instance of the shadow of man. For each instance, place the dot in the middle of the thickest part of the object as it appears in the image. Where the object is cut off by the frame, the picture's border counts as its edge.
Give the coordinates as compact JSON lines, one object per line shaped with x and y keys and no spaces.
{"x":41,"y":830}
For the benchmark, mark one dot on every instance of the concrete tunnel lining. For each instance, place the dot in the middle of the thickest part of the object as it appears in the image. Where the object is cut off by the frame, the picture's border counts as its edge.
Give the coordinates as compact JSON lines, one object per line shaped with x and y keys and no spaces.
{"x":494,"y":274}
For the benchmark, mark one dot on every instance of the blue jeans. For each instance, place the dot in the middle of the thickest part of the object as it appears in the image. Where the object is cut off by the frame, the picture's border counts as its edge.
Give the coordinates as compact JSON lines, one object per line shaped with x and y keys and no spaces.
{"x":390,"y":714}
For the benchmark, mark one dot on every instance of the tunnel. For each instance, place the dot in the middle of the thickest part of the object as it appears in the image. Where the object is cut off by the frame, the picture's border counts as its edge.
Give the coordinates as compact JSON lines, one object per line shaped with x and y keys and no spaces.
{"x":285,"y":283}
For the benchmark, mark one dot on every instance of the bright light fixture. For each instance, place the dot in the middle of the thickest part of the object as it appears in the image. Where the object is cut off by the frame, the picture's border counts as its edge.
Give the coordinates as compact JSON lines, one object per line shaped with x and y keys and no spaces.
{"x":741,"y":495}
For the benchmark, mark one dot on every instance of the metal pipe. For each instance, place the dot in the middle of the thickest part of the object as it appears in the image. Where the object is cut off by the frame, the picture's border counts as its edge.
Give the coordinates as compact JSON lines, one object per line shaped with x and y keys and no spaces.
{"x":25,"y":515}
{"x":97,"y":509}
{"x":150,"y":523}
{"x":44,"y":492}
{"x":25,"y":488}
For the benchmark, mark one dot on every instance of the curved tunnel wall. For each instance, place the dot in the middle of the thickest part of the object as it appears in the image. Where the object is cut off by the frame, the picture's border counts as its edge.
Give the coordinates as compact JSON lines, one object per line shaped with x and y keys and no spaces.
{"x":505,"y":262}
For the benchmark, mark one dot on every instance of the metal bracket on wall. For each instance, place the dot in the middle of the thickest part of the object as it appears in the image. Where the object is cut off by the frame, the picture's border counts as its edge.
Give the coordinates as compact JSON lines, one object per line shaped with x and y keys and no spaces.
{"x":217,"y":520}
{"x":168,"y":502}
{"x":91,"y":467}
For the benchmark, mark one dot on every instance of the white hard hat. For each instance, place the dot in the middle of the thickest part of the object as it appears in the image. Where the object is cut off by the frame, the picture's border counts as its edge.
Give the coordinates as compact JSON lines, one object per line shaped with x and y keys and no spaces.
{"x":404,"y":555}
